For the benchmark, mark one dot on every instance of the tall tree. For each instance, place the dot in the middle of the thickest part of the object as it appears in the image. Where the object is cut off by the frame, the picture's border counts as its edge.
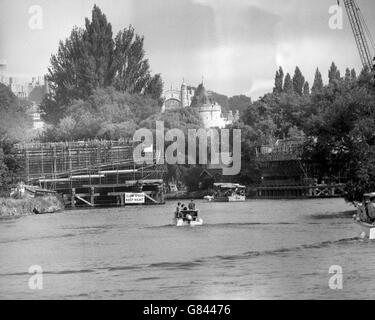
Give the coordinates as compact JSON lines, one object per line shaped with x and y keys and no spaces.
{"x":154,"y":88}
{"x":353,"y":74}
{"x":99,"y":47}
{"x":298,"y":81}
{"x":347,"y":75}
{"x":279,"y":79}
{"x":333,"y":73}
{"x":306,"y":89}
{"x":200,"y":97}
{"x":52,"y":111}
{"x":318,"y":82}
{"x":84,"y":61}
{"x":68,"y":77}
{"x":288,"y":84}
{"x":132,"y":69}
{"x":90,"y":59}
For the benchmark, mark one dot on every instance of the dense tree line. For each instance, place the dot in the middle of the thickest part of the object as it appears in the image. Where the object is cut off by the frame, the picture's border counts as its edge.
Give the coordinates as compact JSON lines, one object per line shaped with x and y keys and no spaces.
{"x":15,"y":126}
{"x":234,"y":103}
{"x":336,"y":121}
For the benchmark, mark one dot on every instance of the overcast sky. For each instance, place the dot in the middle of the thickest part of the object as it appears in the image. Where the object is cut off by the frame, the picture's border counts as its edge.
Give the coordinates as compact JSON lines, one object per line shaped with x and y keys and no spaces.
{"x":236,"y":45}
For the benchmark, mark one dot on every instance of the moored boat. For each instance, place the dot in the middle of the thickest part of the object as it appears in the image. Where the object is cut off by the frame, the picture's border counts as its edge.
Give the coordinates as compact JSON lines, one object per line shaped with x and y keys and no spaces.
{"x":365,"y":216}
{"x":368,"y":229}
{"x":209,"y":198}
{"x":228,"y":192}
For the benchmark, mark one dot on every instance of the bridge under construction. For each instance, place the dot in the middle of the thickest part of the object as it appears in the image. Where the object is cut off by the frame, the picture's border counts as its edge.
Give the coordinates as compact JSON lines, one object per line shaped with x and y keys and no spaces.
{"x":92,"y":173}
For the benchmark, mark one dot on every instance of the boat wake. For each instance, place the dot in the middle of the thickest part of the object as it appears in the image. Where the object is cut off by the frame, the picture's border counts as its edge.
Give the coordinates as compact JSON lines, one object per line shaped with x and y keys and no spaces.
{"x":337,"y":215}
{"x":187,"y":265}
{"x":232,"y":224}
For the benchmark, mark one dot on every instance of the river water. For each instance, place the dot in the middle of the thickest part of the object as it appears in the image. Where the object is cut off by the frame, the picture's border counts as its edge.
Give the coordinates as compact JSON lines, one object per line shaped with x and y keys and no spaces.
{"x":260,"y":249}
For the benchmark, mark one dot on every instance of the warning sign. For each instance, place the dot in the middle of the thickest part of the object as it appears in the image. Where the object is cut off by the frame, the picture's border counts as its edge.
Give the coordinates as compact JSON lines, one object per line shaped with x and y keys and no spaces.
{"x":134,"y":198}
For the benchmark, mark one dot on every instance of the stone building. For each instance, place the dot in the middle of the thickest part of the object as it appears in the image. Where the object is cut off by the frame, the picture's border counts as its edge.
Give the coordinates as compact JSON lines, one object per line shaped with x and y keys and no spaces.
{"x":209,"y":110}
{"x":176,"y":99}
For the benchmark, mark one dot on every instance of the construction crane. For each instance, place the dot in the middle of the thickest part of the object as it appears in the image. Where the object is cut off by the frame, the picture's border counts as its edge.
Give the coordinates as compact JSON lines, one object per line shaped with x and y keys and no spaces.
{"x":362,"y":34}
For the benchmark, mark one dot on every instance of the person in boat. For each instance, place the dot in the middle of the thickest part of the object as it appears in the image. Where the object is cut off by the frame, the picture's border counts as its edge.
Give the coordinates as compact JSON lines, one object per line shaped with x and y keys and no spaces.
{"x":183,"y":210}
{"x":192,"y":205}
{"x":177,"y":213}
{"x":371,"y":209}
{"x":194,"y":214}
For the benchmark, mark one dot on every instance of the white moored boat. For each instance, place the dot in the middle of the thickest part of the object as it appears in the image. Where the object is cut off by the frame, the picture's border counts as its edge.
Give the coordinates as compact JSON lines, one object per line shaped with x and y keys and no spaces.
{"x":209,"y":198}
{"x":188,"y":218}
{"x":227,"y":192}
{"x":363,"y":217}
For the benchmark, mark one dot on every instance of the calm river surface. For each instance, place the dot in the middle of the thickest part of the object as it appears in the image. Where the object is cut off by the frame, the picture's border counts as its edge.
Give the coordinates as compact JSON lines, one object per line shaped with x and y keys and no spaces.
{"x":260,"y":249}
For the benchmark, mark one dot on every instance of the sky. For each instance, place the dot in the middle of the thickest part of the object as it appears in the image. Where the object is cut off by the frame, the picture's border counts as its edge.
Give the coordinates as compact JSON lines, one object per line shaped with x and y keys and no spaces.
{"x":235,"y":46}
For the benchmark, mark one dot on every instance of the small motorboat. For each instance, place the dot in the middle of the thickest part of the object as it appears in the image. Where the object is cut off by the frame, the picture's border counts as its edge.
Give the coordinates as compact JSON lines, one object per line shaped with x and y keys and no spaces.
{"x":363,"y":219}
{"x":209,"y":198}
{"x":187,"y":218}
{"x":368,"y":229}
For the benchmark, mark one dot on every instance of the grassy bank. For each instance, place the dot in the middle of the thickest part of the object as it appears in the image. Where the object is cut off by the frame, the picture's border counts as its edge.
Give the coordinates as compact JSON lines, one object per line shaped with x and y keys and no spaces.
{"x":29,"y":206}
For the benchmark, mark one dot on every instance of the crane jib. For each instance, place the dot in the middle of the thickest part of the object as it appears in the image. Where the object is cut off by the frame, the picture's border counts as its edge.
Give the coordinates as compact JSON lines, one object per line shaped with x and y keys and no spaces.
{"x":359,"y":28}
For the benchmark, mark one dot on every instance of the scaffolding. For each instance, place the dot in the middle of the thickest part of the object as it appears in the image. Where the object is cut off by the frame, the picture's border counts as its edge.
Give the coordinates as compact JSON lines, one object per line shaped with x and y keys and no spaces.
{"x":286,"y":174}
{"x":90,"y":170}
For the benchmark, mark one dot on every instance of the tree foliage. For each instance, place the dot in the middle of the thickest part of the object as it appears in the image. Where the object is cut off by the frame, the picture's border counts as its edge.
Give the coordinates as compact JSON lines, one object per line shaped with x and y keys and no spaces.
{"x":90,"y":59}
{"x":200,"y":97}
{"x":337,"y":121}
{"x":279,"y":79}
{"x":306,"y":89}
{"x":14,"y":120}
{"x":288,"y":84}
{"x":15,"y":126}
{"x":333,"y":73}
{"x":106,"y":114}
{"x":318,"y":82}
{"x":240,"y":103}
{"x":298,"y":81}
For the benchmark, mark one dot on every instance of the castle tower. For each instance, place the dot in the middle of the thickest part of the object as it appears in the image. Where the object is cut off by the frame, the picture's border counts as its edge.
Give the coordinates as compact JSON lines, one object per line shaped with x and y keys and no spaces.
{"x":184,"y":95}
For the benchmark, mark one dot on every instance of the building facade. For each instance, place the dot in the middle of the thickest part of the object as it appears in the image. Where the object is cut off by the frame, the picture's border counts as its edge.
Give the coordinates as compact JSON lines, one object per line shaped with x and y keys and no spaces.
{"x":212,"y":116}
{"x":178,"y":98}
{"x":210,"y":112}
{"x":22,"y":88}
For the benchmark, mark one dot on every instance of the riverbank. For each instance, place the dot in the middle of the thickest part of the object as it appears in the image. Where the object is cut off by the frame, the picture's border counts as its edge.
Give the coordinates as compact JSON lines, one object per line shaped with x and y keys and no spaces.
{"x":200,"y":194}
{"x":29,"y":206}
{"x":185,"y":195}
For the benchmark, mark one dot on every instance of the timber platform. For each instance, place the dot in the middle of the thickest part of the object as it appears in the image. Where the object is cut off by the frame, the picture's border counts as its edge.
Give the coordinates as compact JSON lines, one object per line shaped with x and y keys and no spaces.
{"x":285,"y":174}
{"x":92,"y":173}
